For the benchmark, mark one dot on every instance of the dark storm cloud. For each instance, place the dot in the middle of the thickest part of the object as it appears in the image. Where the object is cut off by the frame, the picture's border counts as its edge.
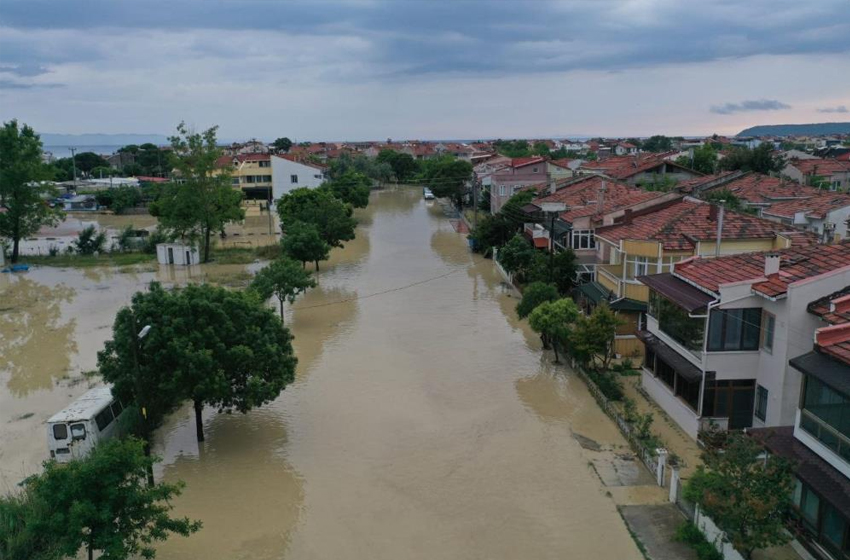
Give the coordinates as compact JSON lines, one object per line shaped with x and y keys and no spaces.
{"x":412,"y":38}
{"x":839,"y":109}
{"x":747,"y":106}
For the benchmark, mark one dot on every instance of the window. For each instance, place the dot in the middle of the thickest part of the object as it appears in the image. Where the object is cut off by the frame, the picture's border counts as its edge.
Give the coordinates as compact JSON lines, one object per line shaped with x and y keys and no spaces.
{"x":104,"y":418}
{"x":60,"y":431}
{"x":761,"y":403}
{"x":769,"y":321}
{"x":810,"y":507}
{"x":503,"y":190}
{"x":534,"y":170}
{"x":78,"y":431}
{"x":641,"y":266}
{"x":293,"y":179}
{"x":826,"y":416}
{"x":117,"y":407}
{"x":676,"y":323}
{"x":265,"y":164}
{"x":734,"y":329}
{"x":583,"y":239}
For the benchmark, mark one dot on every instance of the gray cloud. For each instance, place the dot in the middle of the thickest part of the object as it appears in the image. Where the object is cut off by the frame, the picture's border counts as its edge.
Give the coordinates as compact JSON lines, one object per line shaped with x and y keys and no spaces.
{"x":749,"y":105}
{"x":6,"y":83}
{"x":839,"y":109}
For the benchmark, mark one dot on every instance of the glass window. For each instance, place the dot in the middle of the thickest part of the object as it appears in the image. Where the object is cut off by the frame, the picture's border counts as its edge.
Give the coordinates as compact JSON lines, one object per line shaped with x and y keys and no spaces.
{"x":810,"y":507}
{"x":503,"y":190}
{"x":293,"y":179}
{"x":117,"y":407}
{"x":104,"y":418}
{"x":78,"y":431}
{"x":769,"y":321}
{"x":797,"y":496}
{"x":641,"y":266}
{"x":826,"y":415}
{"x":583,"y":239}
{"x":676,"y":323}
{"x":834,"y":526}
{"x":761,"y":403}
{"x":734,"y":329}
{"x":60,"y":431}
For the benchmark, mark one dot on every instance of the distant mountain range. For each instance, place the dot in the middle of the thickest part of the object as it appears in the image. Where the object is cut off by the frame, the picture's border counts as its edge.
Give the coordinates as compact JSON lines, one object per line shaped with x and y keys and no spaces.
{"x":813,"y":129}
{"x":101,"y":139}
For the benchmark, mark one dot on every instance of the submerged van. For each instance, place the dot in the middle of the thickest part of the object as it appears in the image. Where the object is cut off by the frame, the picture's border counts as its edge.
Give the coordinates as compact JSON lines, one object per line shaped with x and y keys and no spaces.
{"x":73,"y":432}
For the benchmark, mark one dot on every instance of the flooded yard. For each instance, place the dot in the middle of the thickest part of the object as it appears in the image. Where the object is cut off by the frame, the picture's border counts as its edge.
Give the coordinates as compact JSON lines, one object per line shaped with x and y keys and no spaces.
{"x":424,"y":421}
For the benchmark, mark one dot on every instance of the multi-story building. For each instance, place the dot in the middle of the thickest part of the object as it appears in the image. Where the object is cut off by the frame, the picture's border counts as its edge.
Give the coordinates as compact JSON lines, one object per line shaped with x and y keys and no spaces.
{"x":831,"y":174}
{"x":251,"y":173}
{"x":288,"y":174}
{"x":652,"y":240}
{"x":720,"y":333}
{"x":818,"y":441}
{"x":522,"y":173}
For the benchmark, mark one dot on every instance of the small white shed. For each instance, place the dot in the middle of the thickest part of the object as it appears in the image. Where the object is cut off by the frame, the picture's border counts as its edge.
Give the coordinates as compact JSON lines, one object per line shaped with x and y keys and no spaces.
{"x":177,"y":253}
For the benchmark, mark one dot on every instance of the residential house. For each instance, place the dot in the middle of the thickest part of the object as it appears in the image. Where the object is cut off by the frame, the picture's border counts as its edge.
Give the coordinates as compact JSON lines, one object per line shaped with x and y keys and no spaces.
{"x":81,"y":203}
{"x":460,"y":151}
{"x":720,"y":333}
{"x":831,"y":174}
{"x":289,"y":174}
{"x":652,"y":240}
{"x":251,"y":172}
{"x":625,"y":148}
{"x":521,"y":173}
{"x":640,"y":169}
{"x":818,"y":442}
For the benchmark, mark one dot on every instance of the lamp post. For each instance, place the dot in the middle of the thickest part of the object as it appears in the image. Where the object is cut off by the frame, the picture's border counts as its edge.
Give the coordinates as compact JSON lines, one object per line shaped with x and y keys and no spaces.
{"x":137,"y":338}
{"x":553,"y":210}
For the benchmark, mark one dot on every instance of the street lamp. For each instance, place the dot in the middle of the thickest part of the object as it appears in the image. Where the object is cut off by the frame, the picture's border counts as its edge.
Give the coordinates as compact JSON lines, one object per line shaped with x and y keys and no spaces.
{"x":142,"y":334}
{"x":553,"y":210}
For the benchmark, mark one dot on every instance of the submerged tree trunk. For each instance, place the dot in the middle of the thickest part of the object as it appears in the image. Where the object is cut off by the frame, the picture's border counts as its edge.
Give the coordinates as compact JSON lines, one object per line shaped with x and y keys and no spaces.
{"x":317,"y":266}
{"x":207,"y":233}
{"x":199,"y":420}
{"x":16,"y":239}
{"x":555,"y":349}
{"x":282,"y":320}
{"x":150,"y":465}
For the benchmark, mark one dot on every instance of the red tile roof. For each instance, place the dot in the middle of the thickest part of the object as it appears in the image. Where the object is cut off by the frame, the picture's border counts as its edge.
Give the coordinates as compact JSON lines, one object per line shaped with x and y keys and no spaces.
{"x":582,"y":196}
{"x":817,"y":206}
{"x":796,"y":263}
{"x":821,"y":167}
{"x":296,"y":159}
{"x":623,"y":167}
{"x":759,"y":189}
{"x":679,"y":226}
{"x":694,"y":184}
{"x":522,"y":162}
{"x":835,"y":310}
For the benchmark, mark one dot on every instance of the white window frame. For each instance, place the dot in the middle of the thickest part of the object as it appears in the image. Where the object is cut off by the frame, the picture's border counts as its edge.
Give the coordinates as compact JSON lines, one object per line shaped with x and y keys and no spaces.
{"x":641,"y":263}
{"x":768,"y":341}
{"x":582,"y":239}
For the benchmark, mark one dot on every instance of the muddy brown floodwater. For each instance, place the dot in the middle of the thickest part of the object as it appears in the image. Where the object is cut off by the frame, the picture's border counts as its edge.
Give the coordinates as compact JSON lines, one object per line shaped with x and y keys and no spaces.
{"x":424,"y":421}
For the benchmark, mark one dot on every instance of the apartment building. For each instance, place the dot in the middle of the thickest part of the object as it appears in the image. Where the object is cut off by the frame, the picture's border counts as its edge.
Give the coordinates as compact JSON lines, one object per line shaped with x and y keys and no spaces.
{"x":249,"y":172}
{"x":522,"y":173}
{"x":289,"y":174}
{"x":720,"y":334}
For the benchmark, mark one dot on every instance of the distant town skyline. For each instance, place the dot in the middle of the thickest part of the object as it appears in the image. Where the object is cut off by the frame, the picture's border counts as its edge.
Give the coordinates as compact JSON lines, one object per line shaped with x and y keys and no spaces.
{"x":362,"y":70}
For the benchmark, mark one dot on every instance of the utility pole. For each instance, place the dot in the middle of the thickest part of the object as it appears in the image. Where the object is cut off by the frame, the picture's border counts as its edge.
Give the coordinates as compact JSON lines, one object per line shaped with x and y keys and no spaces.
{"x":475,"y":185}
{"x":74,"y":161}
{"x":269,"y":208}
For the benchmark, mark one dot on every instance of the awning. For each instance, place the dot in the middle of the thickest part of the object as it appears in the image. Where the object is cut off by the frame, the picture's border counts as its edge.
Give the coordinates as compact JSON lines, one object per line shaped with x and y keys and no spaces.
{"x":678,"y":291}
{"x":675,"y":360}
{"x":832,"y":372}
{"x":596,"y":293}
{"x":824,"y":479}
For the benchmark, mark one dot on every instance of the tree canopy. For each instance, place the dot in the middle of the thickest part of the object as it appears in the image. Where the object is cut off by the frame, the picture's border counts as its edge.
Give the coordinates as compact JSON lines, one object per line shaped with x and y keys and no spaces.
{"x":592,"y":339}
{"x":446,"y":176}
{"x":204,"y":200}
{"x":404,"y":166}
{"x":657,"y":143}
{"x":512,"y":148}
{"x":303,"y":243}
{"x":282,"y":144}
{"x":22,"y":198}
{"x":517,"y":255}
{"x":761,"y":159}
{"x":533,"y":295}
{"x":704,"y":159}
{"x":283,"y":279}
{"x":553,"y":320}
{"x":101,"y":503}
{"x":332,"y":218}
{"x":351,"y":187}
{"x":206,"y":344}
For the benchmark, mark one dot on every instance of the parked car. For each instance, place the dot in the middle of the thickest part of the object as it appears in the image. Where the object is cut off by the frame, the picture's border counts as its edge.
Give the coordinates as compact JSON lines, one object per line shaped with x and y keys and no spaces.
{"x":427,"y":194}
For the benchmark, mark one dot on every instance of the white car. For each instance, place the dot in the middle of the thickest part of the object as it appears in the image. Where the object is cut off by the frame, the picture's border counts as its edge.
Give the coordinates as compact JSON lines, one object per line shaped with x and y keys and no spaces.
{"x":427,"y":194}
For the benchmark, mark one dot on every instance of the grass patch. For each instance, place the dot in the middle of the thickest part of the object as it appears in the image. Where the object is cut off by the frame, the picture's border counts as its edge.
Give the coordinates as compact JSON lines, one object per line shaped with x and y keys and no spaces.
{"x":84,"y":261}
{"x":689,"y":534}
{"x":233,"y":255}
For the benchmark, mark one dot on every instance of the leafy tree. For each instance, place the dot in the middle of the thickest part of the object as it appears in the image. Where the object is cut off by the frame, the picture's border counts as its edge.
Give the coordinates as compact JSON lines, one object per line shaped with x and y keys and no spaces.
{"x":100,"y":172}
{"x":18,"y":538}
{"x":512,"y":209}
{"x":704,"y":159}
{"x":284,"y":279}
{"x":204,"y":201}
{"x":446,"y":176}
{"x":533,"y":295}
{"x":352,"y":188}
{"x":657,"y":143}
{"x":303,"y":243}
{"x":745,"y":493}
{"x":102,"y":503}
{"x":761,"y":160}
{"x":206,"y":344}
{"x":282,"y":144}
{"x":560,"y":270}
{"x":553,"y":320}
{"x":404,"y":166}
{"x":730,"y":199}
{"x":517,"y":255}
{"x":90,"y":241}
{"x":119,"y":199}
{"x":492,"y":231}
{"x":331,"y":217}
{"x":541,"y":149}
{"x":512,"y":148}
{"x":87,"y":161}
{"x":380,"y":171}
{"x":23,"y":200}
{"x":592,"y":339}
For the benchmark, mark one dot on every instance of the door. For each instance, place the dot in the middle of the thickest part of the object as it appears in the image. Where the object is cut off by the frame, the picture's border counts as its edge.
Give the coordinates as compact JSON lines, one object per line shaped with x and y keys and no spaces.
{"x":170,"y":255}
{"x":741,"y":415}
{"x":188,"y":258}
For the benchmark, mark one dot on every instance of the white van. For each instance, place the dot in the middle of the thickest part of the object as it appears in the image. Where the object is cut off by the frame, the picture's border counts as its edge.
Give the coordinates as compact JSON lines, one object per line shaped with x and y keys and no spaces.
{"x":73,"y":432}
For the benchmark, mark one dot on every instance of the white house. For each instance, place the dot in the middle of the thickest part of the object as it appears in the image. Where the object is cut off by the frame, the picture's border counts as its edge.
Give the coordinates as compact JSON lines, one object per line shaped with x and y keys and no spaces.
{"x":288,"y":175}
{"x":721,"y":331}
{"x":177,"y":253}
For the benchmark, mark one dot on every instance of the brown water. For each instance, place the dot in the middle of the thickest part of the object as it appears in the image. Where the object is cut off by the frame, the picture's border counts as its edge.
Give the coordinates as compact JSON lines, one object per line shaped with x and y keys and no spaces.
{"x":424,"y":421}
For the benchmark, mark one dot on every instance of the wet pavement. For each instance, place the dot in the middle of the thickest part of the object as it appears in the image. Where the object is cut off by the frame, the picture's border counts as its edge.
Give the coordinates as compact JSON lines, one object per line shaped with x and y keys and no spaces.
{"x":424,"y":421}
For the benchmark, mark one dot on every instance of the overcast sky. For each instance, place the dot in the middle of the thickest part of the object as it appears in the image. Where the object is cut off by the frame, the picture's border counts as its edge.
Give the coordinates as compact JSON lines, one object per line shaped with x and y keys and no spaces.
{"x":423,"y":68}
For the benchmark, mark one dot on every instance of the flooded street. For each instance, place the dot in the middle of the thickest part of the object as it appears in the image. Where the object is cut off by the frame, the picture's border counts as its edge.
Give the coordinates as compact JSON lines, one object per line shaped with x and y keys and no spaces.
{"x":424,"y":421}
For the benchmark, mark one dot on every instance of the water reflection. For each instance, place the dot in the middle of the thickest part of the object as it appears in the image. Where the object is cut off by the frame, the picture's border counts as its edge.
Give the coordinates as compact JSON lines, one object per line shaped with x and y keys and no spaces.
{"x":35,"y":346}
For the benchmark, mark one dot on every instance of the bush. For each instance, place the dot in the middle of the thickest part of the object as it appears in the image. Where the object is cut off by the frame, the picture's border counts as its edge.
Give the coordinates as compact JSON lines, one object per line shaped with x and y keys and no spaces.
{"x":90,"y":241}
{"x":155,"y":238}
{"x":533,"y":295}
{"x":609,"y":385}
{"x":689,"y":534}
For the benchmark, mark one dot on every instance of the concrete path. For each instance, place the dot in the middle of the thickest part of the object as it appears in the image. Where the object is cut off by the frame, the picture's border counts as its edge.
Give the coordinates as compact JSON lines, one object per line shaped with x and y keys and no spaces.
{"x":655,"y":526}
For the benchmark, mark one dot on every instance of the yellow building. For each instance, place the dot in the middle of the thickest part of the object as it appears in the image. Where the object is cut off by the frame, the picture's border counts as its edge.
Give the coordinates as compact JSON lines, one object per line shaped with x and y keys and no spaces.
{"x":252,"y":173}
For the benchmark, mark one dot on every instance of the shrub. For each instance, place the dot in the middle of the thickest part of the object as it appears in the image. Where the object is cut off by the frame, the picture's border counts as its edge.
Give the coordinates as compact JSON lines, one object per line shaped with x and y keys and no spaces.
{"x":609,"y":385}
{"x":689,"y":534}
{"x":155,"y":238}
{"x":90,"y":241}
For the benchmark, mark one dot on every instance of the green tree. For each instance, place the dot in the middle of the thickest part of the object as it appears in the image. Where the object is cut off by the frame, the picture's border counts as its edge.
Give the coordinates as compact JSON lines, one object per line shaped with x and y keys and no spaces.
{"x":704,"y":159}
{"x":517,"y":255}
{"x":90,"y":241}
{"x":447,"y":176}
{"x":23,"y":200}
{"x":533,"y":295}
{"x":351,"y":187}
{"x":512,"y":209}
{"x":761,"y":159}
{"x":492,"y":231}
{"x":553,"y":320}
{"x":730,"y":199}
{"x":560,"y":269}
{"x":592,"y":339}
{"x":102,"y":503}
{"x":87,"y":161}
{"x":512,"y":148}
{"x":657,"y":143}
{"x":204,"y":200}
{"x":541,"y":149}
{"x":303,"y":243}
{"x":331,"y":217}
{"x":404,"y":166}
{"x":18,"y":538}
{"x":120,"y":199}
{"x":282,"y":144}
{"x":283,"y":279}
{"x":744,"y":492}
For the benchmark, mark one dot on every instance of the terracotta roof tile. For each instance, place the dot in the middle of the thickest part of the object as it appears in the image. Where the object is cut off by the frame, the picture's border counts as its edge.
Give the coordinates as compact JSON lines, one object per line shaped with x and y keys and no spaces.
{"x":582,"y":196}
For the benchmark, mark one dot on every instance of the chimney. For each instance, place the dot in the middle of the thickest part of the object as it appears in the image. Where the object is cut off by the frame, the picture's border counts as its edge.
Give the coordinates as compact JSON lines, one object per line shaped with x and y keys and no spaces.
{"x":600,"y":200}
{"x":627,"y":217}
{"x":771,"y":264}
{"x":712,"y":213}
{"x":552,"y":183}
{"x":720,"y":213}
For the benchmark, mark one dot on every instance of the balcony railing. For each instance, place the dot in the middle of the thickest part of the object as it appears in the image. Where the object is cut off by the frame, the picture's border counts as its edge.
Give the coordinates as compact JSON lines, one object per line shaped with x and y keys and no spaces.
{"x":614,"y":280}
{"x":825,"y":434}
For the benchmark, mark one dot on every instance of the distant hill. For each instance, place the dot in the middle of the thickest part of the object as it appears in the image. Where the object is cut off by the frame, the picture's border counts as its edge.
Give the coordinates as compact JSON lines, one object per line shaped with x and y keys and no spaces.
{"x":101,"y":139}
{"x":813,"y":129}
